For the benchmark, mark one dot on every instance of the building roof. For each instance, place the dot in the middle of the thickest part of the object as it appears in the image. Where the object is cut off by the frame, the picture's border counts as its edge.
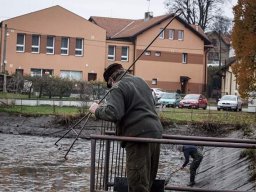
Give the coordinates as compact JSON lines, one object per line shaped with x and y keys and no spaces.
{"x":118,"y":28}
{"x":225,"y":37}
{"x":225,"y":67}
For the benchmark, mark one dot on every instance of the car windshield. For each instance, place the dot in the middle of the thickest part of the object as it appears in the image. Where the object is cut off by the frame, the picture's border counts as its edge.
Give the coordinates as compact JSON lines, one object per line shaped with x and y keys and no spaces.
{"x":229,"y":97}
{"x":168,"y":96}
{"x":191,"y":97}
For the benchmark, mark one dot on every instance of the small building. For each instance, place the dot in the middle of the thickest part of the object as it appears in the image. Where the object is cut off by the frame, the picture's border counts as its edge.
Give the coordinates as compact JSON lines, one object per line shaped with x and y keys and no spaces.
{"x":177,"y":60}
{"x":53,"y":41}
{"x":229,"y":85}
{"x":220,"y":50}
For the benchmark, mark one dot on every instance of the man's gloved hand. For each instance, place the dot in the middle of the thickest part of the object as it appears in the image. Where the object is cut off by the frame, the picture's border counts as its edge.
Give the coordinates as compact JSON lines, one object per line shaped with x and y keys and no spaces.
{"x":93,"y":107}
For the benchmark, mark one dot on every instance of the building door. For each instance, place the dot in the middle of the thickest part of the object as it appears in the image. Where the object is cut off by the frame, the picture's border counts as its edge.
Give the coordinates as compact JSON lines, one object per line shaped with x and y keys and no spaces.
{"x":184,"y":84}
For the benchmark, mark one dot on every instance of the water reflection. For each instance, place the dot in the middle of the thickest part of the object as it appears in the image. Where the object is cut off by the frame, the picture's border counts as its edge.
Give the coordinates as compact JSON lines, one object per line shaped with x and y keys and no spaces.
{"x":31,"y":163}
{"x":35,"y":164}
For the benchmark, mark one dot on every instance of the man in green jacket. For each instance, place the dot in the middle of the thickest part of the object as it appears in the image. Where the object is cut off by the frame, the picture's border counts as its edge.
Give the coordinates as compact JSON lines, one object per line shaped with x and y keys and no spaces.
{"x":130,"y":105}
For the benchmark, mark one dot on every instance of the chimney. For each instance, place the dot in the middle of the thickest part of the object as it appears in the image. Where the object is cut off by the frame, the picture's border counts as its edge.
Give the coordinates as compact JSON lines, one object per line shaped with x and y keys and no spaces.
{"x":148,"y":16}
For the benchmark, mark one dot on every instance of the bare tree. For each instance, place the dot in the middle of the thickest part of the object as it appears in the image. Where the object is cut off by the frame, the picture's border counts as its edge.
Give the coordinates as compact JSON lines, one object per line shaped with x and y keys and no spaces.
{"x":222,"y":24}
{"x":200,"y":12}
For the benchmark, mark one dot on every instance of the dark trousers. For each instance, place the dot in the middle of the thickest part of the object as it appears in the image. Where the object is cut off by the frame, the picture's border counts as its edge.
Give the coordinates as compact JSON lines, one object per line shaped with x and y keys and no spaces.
{"x":194,"y":165}
{"x":141,"y":164}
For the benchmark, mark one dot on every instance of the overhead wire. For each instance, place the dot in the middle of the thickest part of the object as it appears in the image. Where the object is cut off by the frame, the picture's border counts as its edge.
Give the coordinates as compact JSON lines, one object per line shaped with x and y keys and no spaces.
{"x":126,"y":71}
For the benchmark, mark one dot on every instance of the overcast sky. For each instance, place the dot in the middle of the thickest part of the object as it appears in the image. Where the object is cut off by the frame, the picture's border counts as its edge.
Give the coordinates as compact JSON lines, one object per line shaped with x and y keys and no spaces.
{"x":130,"y":9}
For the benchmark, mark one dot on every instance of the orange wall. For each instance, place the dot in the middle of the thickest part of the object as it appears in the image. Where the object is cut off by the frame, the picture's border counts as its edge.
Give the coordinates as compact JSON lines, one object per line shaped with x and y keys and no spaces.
{"x":59,"y":22}
{"x":125,"y":64}
{"x":170,"y":72}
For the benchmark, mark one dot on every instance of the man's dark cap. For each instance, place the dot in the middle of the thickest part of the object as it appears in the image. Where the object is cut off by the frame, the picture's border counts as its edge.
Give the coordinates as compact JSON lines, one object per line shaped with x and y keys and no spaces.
{"x":111,"y":69}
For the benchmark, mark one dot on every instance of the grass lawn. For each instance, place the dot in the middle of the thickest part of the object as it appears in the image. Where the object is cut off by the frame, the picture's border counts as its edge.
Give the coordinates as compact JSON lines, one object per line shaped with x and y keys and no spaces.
{"x":43,"y":110}
{"x":198,"y":115}
{"x":171,"y":114}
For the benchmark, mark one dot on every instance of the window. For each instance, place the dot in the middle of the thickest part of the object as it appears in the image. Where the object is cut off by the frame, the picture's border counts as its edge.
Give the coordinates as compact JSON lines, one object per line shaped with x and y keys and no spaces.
{"x":79,"y":47}
{"x":158,"y":54}
{"x":35,"y":44}
{"x":20,"y":45}
{"x":111,"y":52}
{"x":41,"y":72}
{"x":184,"y":57}
{"x":161,"y":36}
{"x":92,"y":76}
{"x":19,"y":72}
{"x":72,"y":75}
{"x":50,"y":45}
{"x":180,"y":35}
{"x":171,"y":34}
{"x":64,"y":45}
{"x":147,"y":53}
{"x":125,"y":51}
{"x":154,"y":81}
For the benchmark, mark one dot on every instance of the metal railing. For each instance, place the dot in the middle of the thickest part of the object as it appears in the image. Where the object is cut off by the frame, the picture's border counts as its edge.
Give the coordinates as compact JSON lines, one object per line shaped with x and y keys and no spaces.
{"x":110,"y":162}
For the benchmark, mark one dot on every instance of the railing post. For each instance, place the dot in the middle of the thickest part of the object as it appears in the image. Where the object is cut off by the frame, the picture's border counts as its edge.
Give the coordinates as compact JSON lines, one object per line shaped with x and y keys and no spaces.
{"x":92,"y":174}
{"x":106,"y":166}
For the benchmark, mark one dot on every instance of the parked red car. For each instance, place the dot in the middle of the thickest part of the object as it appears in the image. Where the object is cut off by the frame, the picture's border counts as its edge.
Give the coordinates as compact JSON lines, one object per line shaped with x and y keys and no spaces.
{"x":194,"y":101}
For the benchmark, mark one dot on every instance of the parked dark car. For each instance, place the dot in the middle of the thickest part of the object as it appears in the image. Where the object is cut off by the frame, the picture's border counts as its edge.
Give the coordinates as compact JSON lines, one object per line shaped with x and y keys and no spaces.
{"x":195,"y":101}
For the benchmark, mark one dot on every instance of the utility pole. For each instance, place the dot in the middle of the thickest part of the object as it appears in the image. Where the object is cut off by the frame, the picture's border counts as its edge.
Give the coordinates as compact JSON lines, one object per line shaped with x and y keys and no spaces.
{"x":220,"y":49}
{"x":4,"y":59}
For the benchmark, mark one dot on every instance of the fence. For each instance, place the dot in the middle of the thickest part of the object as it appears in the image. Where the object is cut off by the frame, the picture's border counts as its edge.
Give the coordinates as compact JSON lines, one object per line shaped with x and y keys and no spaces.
{"x":108,"y":159}
{"x":211,"y":115}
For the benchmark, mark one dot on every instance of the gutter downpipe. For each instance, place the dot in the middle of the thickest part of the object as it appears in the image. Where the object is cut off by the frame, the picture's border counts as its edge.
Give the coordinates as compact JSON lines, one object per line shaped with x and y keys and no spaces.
{"x":208,"y":48}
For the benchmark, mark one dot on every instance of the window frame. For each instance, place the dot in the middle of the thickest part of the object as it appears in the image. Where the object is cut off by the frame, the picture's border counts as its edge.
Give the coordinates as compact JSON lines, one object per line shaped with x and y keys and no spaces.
{"x":158,"y":53}
{"x":161,"y":35}
{"x":81,"y":50}
{"x":125,"y":57}
{"x":111,"y":57}
{"x":184,"y":58}
{"x":71,"y":74}
{"x":154,"y":81}
{"x":50,"y":47}
{"x":171,"y":31}
{"x":42,"y":72}
{"x":21,"y":45}
{"x":66,"y":48}
{"x":37,"y":47}
{"x":147,"y":53}
{"x":180,"y":32}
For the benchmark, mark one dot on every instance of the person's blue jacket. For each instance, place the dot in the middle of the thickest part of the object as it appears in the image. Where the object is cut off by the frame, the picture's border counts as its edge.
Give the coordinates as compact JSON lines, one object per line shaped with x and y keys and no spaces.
{"x":189,"y":151}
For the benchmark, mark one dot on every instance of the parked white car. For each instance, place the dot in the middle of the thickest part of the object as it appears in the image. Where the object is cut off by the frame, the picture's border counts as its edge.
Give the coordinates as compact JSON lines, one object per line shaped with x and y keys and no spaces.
{"x":230,"y":102}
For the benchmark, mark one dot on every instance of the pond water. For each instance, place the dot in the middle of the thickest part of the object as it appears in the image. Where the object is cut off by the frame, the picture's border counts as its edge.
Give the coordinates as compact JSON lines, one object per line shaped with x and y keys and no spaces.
{"x":32,"y":163}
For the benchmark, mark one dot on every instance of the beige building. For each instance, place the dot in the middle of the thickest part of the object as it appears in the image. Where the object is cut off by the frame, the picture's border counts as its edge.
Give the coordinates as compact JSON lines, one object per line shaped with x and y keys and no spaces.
{"x":175,"y":61}
{"x":53,"y":41}
{"x":220,"y":52}
{"x":229,"y":84}
{"x":58,"y":42}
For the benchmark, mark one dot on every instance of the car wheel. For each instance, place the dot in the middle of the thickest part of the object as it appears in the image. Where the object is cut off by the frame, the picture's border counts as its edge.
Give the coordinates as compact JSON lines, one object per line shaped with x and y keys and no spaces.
{"x":205,"y":107}
{"x":218,"y":109}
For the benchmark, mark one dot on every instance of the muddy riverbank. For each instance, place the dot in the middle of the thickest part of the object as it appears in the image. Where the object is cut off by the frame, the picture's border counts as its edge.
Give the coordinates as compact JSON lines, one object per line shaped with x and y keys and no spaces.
{"x":56,"y":126}
{"x":31,"y":162}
